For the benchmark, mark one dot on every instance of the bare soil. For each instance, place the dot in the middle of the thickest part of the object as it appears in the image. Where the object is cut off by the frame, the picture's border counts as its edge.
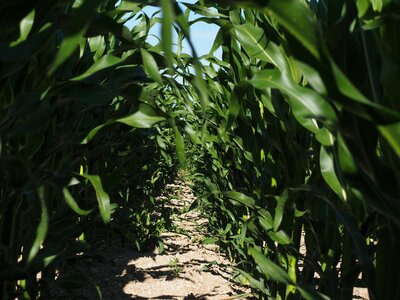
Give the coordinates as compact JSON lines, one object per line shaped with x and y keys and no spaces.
{"x":185,"y":269}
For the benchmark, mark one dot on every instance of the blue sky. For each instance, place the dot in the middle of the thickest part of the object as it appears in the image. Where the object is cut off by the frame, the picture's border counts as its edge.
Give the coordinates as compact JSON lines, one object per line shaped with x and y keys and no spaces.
{"x":202,"y":34}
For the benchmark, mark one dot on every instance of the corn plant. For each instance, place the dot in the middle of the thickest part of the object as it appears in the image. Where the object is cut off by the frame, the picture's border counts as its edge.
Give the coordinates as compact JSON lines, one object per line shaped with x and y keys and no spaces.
{"x":301,"y":147}
{"x":81,"y":155}
{"x":292,"y":137}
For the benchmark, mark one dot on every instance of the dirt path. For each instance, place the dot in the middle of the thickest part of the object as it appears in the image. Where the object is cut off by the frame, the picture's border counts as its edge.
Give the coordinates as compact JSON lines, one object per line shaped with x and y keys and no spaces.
{"x":186,"y":269}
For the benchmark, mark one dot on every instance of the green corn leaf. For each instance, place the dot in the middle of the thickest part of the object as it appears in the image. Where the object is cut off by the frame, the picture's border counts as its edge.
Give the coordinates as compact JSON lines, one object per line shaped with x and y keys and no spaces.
{"x":128,"y":6}
{"x":182,"y":20}
{"x":201,"y":88}
{"x":310,"y":294}
{"x":299,"y":21}
{"x":269,"y":268}
{"x":180,"y":147}
{"x":280,"y":237}
{"x":25,"y":27}
{"x":280,"y":206}
{"x":150,"y":66}
{"x":329,"y":174}
{"x":346,"y":160}
{"x":145,"y":117}
{"x":362,"y":7}
{"x":313,"y":78}
{"x":252,"y":281}
{"x":347,"y":88}
{"x":73,"y":205}
{"x":324,"y":137}
{"x":103,"y":63}
{"x":68,"y":46}
{"x":392,"y":135}
{"x":241,"y":198}
{"x":265,"y":219}
{"x":166,"y":29}
{"x":305,"y":102}
{"x":79,"y":26}
{"x":377,"y":5}
{"x":256,"y":45}
{"x":41,"y":230}
{"x":234,"y":105}
{"x":93,"y":132}
{"x":102,"y":197}
{"x":193,"y":134}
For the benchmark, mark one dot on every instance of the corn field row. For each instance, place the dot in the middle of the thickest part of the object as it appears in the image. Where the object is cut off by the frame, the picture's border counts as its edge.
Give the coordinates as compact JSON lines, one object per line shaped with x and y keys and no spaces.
{"x":292,"y":138}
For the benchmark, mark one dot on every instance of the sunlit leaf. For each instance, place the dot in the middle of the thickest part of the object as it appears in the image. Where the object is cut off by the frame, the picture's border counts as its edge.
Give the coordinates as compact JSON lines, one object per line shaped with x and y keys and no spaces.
{"x":150,"y":65}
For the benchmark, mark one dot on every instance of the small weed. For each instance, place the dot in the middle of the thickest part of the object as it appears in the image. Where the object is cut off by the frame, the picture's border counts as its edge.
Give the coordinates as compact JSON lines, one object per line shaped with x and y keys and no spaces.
{"x":176,"y":269}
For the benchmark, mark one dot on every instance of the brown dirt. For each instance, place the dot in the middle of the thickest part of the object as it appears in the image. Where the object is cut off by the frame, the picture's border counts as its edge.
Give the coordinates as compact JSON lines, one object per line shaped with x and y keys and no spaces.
{"x":186,"y":269}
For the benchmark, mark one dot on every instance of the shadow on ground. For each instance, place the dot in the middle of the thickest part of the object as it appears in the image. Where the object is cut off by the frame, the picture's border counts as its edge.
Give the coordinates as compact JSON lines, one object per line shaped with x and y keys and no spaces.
{"x":122,"y":273}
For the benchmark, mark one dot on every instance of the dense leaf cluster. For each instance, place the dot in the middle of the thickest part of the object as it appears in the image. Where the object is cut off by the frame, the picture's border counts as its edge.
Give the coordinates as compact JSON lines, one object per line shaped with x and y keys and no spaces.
{"x":301,"y":147}
{"x":80,"y":160}
{"x":292,"y":137}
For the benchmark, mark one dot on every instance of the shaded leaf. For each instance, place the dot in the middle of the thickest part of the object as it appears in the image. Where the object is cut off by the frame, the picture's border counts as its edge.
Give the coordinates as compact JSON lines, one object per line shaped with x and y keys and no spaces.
{"x":42,"y":228}
{"x":269,"y":268}
{"x":143,"y":118}
{"x":73,"y":205}
{"x":102,"y":197}
{"x":241,"y":198}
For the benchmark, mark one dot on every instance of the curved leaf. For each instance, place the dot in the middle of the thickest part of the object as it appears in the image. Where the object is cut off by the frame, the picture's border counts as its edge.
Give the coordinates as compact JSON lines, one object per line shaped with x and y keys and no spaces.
{"x":269,"y":268}
{"x":143,"y":118}
{"x":102,"y":197}
{"x":41,"y":230}
{"x":241,"y":198}
{"x":73,"y":205}
{"x":150,"y":65}
{"x":298,"y":20}
{"x":306,"y":103}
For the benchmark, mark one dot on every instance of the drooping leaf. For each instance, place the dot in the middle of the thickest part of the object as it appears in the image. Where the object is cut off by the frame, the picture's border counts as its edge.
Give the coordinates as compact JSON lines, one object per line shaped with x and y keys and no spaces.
{"x":150,"y":65}
{"x":25,"y":27}
{"x":180,"y":147}
{"x":299,"y":21}
{"x":279,"y":210}
{"x":73,"y":205}
{"x":83,"y":15}
{"x":328,"y":173}
{"x":103,"y":63}
{"x":392,"y":134}
{"x":280,"y":237}
{"x":145,"y":117}
{"x":269,"y":268}
{"x":256,"y":45}
{"x":42,"y":228}
{"x":306,"y":103}
{"x":103,"y":198}
{"x":241,"y":198}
